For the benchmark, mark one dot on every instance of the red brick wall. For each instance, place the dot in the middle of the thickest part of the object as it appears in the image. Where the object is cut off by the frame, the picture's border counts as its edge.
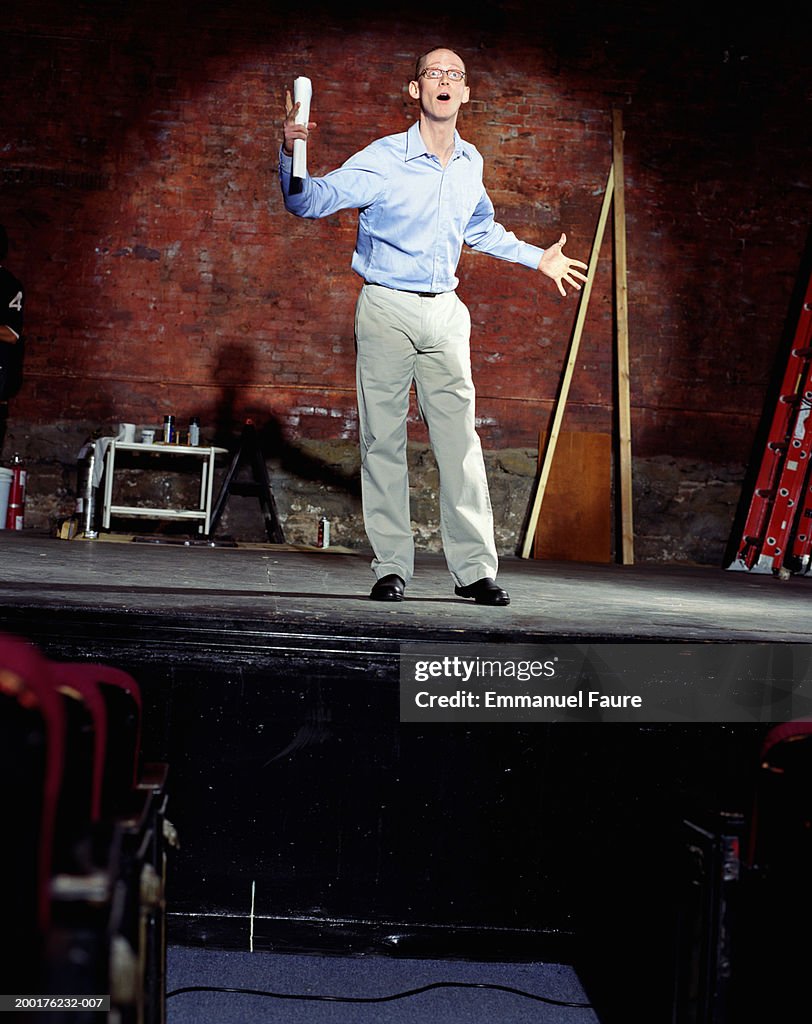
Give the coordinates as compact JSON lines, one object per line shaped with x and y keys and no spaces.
{"x":139,"y":187}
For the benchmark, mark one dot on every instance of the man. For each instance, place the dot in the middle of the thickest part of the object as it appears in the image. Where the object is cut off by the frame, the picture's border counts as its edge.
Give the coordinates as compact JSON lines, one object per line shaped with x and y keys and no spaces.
{"x":12,"y":297}
{"x":420,"y":196}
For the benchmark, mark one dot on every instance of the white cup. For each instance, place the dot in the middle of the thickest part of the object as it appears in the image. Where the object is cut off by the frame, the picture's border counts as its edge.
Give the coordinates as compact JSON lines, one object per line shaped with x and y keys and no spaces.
{"x":147,"y":436}
{"x":126,"y":432}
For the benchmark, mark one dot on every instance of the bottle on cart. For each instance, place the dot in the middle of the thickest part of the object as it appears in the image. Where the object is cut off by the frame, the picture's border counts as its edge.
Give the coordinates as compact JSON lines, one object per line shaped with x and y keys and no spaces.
{"x":194,"y":431}
{"x":169,"y":429}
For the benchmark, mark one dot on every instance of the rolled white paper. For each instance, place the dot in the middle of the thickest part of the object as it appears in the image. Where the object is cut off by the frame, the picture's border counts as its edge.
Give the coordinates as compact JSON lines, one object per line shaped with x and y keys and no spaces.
{"x":302,"y":94}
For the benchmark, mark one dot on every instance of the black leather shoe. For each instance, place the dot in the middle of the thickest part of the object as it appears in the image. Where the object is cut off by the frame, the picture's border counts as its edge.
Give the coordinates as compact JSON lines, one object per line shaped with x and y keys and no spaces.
{"x":484,"y":591}
{"x":388,"y":588}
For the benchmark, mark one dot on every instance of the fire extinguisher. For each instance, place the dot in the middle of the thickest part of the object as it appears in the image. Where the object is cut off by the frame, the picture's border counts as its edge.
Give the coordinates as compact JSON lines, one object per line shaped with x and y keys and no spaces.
{"x":16,"y":495}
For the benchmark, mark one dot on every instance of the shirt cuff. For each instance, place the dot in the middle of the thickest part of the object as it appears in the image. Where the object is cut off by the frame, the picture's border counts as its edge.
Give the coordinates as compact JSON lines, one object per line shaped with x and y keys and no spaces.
{"x":530,"y":255}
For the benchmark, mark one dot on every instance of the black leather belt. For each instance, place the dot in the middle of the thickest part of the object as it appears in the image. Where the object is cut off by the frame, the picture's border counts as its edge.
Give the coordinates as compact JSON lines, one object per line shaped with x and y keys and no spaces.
{"x":420,"y":295}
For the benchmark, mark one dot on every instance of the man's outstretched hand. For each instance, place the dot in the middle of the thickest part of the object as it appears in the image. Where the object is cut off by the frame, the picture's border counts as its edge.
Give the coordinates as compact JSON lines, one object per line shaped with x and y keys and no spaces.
{"x":561,"y":268}
{"x":290,"y":130}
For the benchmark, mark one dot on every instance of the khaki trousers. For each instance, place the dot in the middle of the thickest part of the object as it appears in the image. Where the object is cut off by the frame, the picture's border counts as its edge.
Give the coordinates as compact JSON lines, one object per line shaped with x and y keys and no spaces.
{"x":402,"y":337}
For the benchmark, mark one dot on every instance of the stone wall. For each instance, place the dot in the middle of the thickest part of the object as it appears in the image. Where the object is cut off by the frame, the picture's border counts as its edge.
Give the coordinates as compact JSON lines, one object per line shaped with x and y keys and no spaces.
{"x":683,"y":509}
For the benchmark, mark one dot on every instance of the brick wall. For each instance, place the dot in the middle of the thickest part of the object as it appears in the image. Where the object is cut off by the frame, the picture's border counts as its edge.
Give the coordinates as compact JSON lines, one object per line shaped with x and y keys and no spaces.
{"x":139,"y":189}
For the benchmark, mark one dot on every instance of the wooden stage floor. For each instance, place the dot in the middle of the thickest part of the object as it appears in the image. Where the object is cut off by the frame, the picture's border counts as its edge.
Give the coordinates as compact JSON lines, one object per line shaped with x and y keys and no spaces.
{"x":270,"y":589}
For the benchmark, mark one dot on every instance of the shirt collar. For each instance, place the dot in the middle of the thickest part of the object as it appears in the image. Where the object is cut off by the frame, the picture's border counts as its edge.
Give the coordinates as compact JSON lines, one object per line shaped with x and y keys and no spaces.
{"x":416,"y":147}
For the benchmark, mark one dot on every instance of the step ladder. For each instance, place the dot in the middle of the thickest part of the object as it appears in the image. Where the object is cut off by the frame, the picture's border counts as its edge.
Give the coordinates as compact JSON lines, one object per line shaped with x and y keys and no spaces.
{"x":777,"y":534}
{"x":258,"y":486}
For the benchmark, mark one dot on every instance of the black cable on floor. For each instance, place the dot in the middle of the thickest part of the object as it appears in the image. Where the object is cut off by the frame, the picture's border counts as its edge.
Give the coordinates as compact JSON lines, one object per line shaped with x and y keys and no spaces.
{"x":382,"y":999}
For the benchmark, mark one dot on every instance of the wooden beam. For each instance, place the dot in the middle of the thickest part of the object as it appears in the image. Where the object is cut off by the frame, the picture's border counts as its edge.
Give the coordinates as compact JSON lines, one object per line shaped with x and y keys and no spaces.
{"x":561,"y":400}
{"x":622,"y":342}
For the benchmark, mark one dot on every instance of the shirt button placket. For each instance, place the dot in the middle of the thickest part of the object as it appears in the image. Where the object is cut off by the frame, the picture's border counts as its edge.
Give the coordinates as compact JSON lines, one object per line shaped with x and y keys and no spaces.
{"x":443,"y":227}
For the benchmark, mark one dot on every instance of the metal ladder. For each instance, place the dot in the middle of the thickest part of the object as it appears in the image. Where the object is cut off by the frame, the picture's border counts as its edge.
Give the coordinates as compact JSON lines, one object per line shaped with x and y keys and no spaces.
{"x":777,"y":533}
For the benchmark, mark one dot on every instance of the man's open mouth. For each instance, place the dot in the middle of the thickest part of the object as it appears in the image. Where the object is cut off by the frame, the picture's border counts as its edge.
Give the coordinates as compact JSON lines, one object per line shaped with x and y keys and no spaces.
{"x":443,"y":96}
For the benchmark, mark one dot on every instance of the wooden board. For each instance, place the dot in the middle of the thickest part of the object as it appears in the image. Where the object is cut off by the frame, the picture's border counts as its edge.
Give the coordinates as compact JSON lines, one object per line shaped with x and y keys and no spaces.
{"x":622,"y":348}
{"x":575,"y":524}
{"x":569,"y":369}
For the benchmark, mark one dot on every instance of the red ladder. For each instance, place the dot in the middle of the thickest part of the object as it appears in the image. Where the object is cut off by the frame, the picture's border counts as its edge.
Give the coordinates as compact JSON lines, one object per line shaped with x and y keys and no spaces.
{"x":777,"y":534}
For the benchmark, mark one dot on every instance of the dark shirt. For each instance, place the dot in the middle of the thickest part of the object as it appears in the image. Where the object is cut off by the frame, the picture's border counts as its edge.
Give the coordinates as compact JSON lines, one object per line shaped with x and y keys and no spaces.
{"x":12,"y":301}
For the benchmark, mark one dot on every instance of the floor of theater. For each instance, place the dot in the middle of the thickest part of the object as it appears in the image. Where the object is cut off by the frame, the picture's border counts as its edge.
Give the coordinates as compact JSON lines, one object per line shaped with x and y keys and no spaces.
{"x":312,"y":591}
{"x":410,"y":991}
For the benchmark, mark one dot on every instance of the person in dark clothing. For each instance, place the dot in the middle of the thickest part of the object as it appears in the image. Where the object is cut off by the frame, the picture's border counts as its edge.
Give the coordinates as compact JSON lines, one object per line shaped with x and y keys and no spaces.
{"x":12,"y":300}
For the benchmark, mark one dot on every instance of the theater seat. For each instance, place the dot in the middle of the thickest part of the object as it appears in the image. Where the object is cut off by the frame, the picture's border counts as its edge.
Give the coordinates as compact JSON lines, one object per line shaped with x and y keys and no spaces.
{"x":82,"y":864}
{"x":32,"y":727}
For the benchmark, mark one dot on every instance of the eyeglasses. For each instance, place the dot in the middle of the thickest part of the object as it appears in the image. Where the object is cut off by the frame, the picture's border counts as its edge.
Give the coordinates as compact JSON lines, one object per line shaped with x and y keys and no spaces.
{"x":437,"y":73}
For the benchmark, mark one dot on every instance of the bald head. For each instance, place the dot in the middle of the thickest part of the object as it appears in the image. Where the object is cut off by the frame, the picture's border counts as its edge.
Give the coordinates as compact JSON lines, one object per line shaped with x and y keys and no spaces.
{"x":423,"y":60}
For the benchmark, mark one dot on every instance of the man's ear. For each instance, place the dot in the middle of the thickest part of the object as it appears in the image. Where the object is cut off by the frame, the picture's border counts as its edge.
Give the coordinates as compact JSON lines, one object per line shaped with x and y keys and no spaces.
{"x":414,"y":90}
{"x":466,"y":94}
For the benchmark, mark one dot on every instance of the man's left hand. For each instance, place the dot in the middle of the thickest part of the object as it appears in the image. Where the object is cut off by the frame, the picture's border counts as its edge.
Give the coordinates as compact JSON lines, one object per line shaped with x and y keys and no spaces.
{"x":561,"y":268}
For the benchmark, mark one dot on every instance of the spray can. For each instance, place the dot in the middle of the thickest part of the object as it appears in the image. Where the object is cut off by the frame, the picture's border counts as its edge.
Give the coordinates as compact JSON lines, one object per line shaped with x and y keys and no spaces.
{"x":169,"y":429}
{"x":86,"y":502}
{"x":324,"y":532}
{"x":194,"y":431}
{"x":16,"y":496}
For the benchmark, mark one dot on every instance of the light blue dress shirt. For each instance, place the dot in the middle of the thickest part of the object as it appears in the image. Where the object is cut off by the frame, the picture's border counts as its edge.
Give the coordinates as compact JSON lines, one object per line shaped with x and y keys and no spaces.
{"x":414,"y":214}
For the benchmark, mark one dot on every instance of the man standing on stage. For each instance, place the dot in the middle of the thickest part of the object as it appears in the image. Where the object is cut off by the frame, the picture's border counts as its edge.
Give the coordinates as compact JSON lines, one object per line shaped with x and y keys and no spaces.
{"x":12,"y":298}
{"x":420,"y":196}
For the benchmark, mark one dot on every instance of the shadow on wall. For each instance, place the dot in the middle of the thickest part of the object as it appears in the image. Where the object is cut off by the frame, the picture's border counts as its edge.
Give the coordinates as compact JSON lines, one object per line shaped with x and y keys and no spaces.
{"x":228,"y":416}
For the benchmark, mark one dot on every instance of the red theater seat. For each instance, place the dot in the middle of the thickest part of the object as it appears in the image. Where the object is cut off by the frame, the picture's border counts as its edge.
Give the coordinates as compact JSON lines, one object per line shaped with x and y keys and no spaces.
{"x":32,"y":728}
